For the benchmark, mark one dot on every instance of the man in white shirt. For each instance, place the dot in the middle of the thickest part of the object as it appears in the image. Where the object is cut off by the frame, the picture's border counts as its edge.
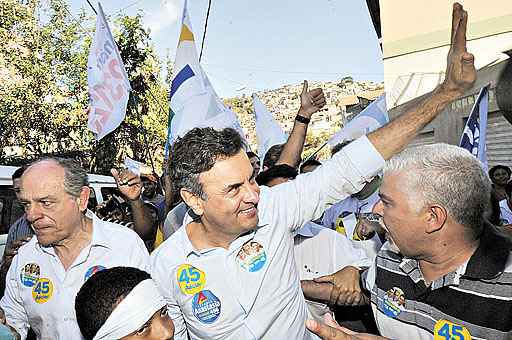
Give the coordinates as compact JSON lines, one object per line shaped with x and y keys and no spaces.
{"x":71,"y":244}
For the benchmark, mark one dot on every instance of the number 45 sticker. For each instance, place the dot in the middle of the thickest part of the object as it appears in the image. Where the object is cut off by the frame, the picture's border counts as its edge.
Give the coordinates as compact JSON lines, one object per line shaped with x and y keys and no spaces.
{"x":190,"y":279}
{"x":43,"y":290}
{"x":446,"y":330}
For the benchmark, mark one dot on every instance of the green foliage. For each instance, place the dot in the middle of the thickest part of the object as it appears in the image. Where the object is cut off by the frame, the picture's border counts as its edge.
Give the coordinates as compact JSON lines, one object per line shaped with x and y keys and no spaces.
{"x":43,"y":88}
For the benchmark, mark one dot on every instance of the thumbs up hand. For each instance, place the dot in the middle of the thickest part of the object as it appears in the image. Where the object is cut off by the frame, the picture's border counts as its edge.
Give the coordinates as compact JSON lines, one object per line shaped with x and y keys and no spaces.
{"x":310,"y":101}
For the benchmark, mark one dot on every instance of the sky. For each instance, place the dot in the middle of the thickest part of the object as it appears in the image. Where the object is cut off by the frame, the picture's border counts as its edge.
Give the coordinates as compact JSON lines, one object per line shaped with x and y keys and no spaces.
{"x":252,"y":46}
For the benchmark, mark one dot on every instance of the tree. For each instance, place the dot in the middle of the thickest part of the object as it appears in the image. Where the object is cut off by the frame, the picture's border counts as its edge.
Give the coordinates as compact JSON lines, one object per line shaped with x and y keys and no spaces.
{"x":43,"y":88}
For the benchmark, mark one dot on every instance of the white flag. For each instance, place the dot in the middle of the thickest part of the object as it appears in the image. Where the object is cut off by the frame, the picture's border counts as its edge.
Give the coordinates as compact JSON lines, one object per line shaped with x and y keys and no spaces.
{"x":192,"y":98}
{"x":371,"y":118}
{"x":268,"y":131}
{"x":107,"y":79}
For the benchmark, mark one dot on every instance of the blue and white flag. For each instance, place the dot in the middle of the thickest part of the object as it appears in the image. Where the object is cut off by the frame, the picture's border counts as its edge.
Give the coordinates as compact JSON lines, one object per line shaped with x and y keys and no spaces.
{"x":192,"y":98}
{"x":371,"y":118}
{"x":474,"y":136}
{"x":109,"y":87}
{"x":268,"y":131}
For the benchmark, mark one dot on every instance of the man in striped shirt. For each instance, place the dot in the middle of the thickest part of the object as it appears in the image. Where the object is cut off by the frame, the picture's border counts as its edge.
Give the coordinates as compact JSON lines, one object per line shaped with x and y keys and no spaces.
{"x":445,"y":272}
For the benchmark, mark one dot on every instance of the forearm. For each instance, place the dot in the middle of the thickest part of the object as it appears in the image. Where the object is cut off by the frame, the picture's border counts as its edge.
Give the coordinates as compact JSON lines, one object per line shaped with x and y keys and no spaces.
{"x":314,"y":291}
{"x":143,"y":221}
{"x":292,"y":150}
{"x":393,"y":137}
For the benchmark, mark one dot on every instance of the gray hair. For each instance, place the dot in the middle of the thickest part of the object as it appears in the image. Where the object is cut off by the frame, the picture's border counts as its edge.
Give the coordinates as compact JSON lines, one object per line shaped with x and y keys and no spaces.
{"x":449,"y":176}
{"x":75,"y":177}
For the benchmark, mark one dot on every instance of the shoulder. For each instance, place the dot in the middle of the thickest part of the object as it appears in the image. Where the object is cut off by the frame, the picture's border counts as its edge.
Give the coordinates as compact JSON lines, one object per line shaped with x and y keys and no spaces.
{"x":171,"y":251}
{"x":117,"y":233}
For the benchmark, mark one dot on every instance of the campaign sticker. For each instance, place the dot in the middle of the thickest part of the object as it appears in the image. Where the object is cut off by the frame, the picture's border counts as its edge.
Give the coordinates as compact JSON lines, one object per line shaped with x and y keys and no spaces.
{"x":206,"y":306}
{"x":30,"y":274}
{"x":252,"y":256}
{"x":190,"y":279}
{"x":445,"y":329}
{"x":393,"y":302}
{"x":93,"y":270}
{"x":43,"y":290}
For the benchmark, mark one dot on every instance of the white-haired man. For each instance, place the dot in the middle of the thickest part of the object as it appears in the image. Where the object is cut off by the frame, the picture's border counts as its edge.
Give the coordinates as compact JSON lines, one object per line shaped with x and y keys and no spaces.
{"x":445,"y":271}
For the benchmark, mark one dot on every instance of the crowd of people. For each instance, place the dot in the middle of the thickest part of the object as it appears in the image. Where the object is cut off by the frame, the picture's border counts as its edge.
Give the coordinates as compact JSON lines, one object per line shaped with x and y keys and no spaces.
{"x":376,"y":242}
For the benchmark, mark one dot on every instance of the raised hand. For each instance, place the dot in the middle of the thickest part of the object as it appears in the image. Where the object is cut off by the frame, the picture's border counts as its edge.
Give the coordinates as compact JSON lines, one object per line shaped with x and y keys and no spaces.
{"x":460,"y":68}
{"x":311,"y":101}
{"x":128,"y":183}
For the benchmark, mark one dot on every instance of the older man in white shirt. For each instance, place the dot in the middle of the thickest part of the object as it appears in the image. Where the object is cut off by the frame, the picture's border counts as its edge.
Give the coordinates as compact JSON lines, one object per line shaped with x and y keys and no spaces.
{"x":71,"y":244}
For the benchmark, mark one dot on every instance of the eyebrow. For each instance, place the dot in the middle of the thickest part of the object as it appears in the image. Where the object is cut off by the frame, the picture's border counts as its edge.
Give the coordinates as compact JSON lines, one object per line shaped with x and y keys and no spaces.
{"x":384,"y":196}
{"x":228,"y":187}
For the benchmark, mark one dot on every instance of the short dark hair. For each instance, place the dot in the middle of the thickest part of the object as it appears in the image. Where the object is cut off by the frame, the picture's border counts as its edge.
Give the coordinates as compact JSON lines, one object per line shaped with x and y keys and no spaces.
{"x":497,"y":167}
{"x":272,"y":155}
{"x":340,"y":146}
{"x":197,"y":152}
{"x":309,"y":162}
{"x":19,"y":172}
{"x":281,"y":170}
{"x":96,"y":299}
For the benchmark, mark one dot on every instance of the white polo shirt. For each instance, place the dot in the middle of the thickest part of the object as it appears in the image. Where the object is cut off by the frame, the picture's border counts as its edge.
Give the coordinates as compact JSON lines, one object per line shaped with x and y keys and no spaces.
{"x":321,"y":251}
{"x":40,"y":293}
{"x":252,"y":290}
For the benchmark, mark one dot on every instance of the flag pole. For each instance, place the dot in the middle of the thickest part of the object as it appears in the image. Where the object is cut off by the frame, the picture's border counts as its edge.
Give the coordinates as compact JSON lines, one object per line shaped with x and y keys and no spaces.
{"x":317,"y":151}
{"x":92,"y":7}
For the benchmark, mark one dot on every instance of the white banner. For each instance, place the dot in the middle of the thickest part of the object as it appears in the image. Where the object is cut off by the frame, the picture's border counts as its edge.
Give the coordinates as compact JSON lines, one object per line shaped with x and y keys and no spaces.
{"x":108,"y":83}
{"x":268,"y":131}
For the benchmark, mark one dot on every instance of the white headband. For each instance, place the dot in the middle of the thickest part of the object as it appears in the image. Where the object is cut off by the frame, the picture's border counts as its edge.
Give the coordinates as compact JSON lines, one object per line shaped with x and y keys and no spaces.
{"x":132,"y":312}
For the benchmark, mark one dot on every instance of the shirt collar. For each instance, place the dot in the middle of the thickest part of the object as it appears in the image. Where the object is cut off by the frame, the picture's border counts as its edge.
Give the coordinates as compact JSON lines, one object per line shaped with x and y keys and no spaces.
{"x":98,"y":235}
{"x":488,"y":261}
{"x":491,"y":256}
{"x":99,"y":238}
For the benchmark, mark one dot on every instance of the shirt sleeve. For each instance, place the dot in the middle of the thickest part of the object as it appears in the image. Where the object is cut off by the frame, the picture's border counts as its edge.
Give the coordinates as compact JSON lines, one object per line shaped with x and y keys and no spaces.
{"x":140,"y":255}
{"x":304,"y":199}
{"x":161,"y":274}
{"x":12,"y":304}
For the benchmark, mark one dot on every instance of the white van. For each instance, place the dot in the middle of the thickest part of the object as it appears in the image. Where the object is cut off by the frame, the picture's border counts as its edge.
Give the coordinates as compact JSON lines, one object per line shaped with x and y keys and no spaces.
{"x":10,"y":210}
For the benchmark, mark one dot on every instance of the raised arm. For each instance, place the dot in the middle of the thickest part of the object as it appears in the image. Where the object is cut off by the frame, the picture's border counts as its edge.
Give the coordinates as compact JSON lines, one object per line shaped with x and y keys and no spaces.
{"x":130,"y":185}
{"x":310,"y":102}
{"x":460,"y":77}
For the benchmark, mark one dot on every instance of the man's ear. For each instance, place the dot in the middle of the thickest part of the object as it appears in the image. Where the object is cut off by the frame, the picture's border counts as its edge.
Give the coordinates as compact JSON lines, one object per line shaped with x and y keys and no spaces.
{"x":83,"y":198}
{"x":193,"y":201}
{"x":436,"y":216}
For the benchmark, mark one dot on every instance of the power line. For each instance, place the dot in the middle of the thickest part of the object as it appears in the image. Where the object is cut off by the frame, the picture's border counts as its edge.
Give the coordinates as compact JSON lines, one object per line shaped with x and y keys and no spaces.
{"x":205,"y":27}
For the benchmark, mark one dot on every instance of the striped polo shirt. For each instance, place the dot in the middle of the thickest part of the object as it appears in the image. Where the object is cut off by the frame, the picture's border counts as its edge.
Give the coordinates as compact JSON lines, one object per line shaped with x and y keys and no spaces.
{"x":473,"y":302}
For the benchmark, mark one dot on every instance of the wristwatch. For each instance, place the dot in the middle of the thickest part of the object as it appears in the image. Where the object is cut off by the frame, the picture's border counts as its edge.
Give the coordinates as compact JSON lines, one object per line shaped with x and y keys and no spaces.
{"x":302,"y":119}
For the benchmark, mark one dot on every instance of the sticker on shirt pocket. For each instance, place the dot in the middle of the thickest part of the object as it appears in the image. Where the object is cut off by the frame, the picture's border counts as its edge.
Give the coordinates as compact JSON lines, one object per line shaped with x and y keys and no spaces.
{"x":190,"y":279}
{"x":93,"y":270}
{"x":206,"y":306}
{"x":43,"y":290}
{"x":252,"y":256}
{"x":30,"y":274}
{"x":393,"y":302}
{"x":445,"y":329}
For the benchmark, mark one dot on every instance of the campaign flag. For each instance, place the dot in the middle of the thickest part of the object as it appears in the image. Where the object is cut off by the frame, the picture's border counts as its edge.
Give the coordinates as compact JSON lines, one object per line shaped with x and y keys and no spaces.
{"x":268,"y":131}
{"x":192,"y":98}
{"x":371,"y":118}
{"x":474,"y":136}
{"x":109,"y":87}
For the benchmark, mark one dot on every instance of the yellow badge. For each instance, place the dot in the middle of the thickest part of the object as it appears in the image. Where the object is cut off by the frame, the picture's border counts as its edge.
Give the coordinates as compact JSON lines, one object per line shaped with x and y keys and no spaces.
{"x":190,"y":279}
{"x":446,"y":330}
{"x":43,"y":290}
{"x":340,"y":227}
